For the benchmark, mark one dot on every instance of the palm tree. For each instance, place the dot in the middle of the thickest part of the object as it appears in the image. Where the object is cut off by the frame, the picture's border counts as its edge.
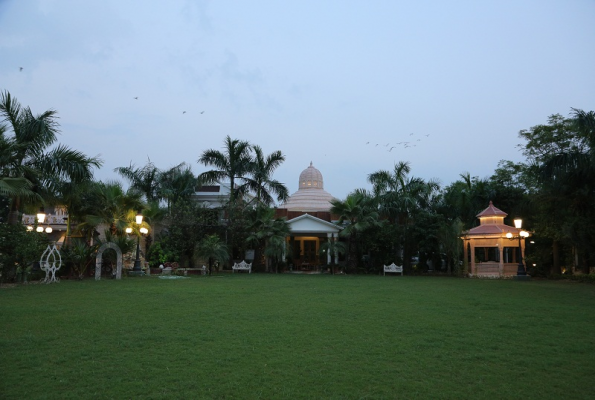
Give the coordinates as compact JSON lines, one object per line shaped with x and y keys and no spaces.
{"x":332,"y":247}
{"x":213,"y":249}
{"x":113,"y":206}
{"x":356,"y":213}
{"x":29,"y":158}
{"x":268,"y":233}
{"x":276,"y":248}
{"x":233,"y":164}
{"x":400,"y":198}
{"x":260,"y":180}
{"x":145,"y":179}
{"x":177,"y":183}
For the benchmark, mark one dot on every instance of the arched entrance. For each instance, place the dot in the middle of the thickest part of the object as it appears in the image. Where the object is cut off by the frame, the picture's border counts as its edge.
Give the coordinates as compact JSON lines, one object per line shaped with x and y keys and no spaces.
{"x":99,"y":259}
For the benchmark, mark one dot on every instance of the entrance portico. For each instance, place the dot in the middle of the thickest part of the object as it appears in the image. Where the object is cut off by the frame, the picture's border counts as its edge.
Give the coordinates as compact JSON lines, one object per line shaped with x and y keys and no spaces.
{"x":307,"y":235}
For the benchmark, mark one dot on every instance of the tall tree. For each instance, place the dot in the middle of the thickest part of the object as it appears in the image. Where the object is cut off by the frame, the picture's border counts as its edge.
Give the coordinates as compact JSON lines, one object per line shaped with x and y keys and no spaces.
{"x":110,"y":204}
{"x":232,"y":164}
{"x":267,"y":232}
{"x":400,"y":199}
{"x":177,"y":183}
{"x":144,"y":180}
{"x":260,"y":179}
{"x":572,"y":170}
{"x":357,"y":213}
{"x":30,"y":156}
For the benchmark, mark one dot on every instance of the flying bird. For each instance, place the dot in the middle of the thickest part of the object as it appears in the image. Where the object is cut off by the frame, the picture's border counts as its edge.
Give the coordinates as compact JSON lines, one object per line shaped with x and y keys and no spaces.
{"x":411,"y":134}
{"x":183,"y":112}
{"x":136,"y":98}
{"x":427,"y":135}
{"x":20,"y":68}
{"x":202,"y":112}
{"x":391,"y":149}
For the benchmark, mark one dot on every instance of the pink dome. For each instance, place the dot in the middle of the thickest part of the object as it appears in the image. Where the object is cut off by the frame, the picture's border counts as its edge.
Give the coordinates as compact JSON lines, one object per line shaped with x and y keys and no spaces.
{"x":311,"y":195}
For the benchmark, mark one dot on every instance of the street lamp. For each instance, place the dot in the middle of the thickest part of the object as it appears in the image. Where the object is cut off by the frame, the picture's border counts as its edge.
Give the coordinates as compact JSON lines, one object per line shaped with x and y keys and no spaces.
{"x":518,"y":223}
{"x":143,"y":231}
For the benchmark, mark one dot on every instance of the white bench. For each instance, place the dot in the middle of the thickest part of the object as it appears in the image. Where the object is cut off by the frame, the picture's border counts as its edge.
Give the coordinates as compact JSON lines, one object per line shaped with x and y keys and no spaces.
{"x":242,"y":266}
{"x":393,"y":268}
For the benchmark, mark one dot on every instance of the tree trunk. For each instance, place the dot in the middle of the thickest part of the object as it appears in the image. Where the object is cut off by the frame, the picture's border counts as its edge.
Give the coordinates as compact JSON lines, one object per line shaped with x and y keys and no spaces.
{"x":13,"y":215}
{"x":556,"y":268}
{"x":352,"y":264}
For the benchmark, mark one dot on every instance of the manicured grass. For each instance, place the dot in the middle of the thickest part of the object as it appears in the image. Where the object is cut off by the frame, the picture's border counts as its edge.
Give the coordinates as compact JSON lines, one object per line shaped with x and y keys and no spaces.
{"x":298,"y":336}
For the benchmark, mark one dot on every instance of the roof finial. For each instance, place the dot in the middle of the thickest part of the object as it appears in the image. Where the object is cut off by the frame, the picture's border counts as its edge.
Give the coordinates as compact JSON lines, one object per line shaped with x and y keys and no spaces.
{"x":311,"y":163}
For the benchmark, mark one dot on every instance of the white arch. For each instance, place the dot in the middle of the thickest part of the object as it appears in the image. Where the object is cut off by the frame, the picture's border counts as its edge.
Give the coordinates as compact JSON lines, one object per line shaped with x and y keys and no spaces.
{"x":99,"y":258}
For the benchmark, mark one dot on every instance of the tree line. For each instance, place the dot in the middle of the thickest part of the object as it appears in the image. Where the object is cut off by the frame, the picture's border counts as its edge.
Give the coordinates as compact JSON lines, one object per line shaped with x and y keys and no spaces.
{"x":401,"y":218}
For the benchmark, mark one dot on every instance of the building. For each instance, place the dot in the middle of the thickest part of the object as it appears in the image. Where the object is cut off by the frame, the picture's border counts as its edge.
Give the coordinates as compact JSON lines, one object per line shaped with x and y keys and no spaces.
{"x":308,"y":213}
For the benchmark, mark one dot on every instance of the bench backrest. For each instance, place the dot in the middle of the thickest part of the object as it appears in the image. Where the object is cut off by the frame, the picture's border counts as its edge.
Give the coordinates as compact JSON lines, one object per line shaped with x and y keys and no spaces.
{"x":242,"y":265}
{"x":393,"y":268}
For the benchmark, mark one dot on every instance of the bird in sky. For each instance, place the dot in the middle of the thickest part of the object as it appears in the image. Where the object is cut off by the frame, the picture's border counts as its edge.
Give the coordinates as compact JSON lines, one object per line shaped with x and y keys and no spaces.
{"x":202,"y":112}
{"x":419,"y":140}
{"x":20,"y":68}
{"x":183,"y":112}
{"x":427,"y":135}
{"x":136,"y":98}
{"x":391,"y":149}
{"x":367,"y":142}
{"x":376,"y":144}
{"x":411,"y":134}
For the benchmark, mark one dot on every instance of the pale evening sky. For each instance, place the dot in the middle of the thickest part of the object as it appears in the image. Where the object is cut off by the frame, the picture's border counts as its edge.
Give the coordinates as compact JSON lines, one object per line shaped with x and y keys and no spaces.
{"x":317,"y":80}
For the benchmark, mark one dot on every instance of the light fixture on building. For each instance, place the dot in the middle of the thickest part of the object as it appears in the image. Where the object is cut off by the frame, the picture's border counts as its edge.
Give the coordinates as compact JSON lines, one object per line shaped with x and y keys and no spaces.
{"x":39,"y":229}
{"x":41,"y":216}
{"x":48,"y":229}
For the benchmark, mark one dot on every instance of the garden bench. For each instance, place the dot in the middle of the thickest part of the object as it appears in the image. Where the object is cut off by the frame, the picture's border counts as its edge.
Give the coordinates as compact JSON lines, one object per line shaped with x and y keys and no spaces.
{"x":242,"y":266}
{"x":202,"y":270}
{"x":393,"y":268}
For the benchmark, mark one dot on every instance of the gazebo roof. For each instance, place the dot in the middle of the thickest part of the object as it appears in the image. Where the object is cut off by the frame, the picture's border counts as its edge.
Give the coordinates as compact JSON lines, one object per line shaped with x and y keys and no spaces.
{"x":491,"y":211}
{"x":493,"y":229}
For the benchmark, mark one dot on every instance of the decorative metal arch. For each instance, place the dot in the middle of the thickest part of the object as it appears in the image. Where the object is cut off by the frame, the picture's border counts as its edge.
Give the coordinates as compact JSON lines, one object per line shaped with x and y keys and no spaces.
{"x":99,"y":258}
{"x":48,"y":261}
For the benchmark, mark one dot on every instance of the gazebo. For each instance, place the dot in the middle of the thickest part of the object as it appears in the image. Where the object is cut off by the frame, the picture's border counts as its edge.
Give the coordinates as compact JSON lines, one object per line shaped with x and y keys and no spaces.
{"x":487,"y":248}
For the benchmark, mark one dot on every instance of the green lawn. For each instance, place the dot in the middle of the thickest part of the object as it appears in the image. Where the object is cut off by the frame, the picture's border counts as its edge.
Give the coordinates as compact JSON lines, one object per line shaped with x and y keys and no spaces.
{"x":298,"y":336}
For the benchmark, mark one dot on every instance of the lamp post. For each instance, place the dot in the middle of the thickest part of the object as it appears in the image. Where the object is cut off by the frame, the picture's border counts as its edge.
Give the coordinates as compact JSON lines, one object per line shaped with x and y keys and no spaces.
{"x":518,"y":223}
{"x":139,"y":221}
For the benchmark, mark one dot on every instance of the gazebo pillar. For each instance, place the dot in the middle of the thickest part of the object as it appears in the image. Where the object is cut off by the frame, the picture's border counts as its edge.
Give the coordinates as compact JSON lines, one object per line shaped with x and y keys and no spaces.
{"x":473,"y":267}
{"x":329,"y":237}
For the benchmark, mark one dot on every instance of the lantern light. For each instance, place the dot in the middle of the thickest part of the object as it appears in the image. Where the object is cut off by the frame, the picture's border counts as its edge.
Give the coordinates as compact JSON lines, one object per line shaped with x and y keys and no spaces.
{"x":41,"y":215}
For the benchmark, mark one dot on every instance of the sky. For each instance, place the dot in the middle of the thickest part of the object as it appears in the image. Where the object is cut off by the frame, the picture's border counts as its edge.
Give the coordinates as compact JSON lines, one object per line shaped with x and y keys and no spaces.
{"x":352,"y":86}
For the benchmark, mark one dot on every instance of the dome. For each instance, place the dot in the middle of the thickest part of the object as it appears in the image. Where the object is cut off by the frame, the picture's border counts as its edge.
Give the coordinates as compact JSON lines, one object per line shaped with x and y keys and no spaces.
{"x":310,"y":178}
{"x":311,"y":195}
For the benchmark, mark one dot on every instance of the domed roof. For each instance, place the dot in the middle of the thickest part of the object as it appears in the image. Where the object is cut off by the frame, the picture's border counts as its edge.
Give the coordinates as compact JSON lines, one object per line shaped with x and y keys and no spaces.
{"x":311,"y":195}
{"x":310,"y":178}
